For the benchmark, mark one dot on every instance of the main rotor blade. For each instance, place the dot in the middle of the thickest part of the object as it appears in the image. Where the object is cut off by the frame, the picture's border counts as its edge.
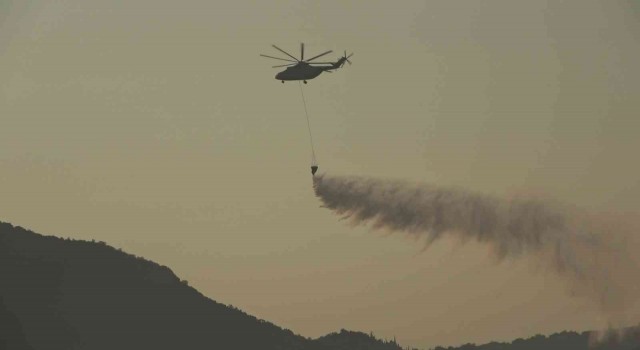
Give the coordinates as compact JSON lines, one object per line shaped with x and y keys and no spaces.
{"x":301,"y":51}
{"x":320,"y":55}
{"x":285,"y":52}
{"x":350,"y":55}
{"x":285,"y":65}
{"x":321,"y":62}
{"x":278,"y":58}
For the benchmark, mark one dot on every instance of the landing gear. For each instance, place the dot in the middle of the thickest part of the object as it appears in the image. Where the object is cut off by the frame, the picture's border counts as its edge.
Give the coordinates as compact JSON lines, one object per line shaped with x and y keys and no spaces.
{"x":305,"y":81}
{"x":283,"y":81}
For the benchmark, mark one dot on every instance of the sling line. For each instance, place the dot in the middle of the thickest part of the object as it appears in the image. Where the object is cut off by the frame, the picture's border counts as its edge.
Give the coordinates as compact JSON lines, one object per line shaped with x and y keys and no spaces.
{"x":313,"y":153}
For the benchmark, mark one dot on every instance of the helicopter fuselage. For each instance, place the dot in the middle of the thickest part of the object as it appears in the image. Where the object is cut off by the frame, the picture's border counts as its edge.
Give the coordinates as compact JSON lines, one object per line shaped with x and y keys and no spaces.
{"x":301,"y":71}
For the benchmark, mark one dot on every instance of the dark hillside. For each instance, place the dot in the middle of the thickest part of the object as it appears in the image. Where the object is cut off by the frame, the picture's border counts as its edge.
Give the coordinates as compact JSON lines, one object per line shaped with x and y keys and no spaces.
{"x":68,"y":294}
{"x":11,"y":334}
{"x":75,"y":294}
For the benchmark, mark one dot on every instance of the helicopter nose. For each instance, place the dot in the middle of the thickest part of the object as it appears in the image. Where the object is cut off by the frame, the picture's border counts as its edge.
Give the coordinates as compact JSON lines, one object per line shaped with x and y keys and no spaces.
{"x":279,"y":76}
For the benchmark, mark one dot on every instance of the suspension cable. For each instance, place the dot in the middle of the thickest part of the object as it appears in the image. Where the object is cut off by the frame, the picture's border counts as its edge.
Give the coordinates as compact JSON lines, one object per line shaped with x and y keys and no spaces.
{"x":313,"y":153}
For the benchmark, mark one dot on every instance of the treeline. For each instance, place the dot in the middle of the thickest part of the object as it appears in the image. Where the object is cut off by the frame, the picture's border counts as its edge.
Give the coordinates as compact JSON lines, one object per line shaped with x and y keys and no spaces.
{"x":628,"y":339}
{"x":349,"y":340}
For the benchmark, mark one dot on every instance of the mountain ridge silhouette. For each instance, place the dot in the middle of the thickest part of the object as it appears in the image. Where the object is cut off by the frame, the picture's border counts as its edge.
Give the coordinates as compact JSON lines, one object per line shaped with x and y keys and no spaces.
{"x":74,"y":294}
{"x":60,"y":293}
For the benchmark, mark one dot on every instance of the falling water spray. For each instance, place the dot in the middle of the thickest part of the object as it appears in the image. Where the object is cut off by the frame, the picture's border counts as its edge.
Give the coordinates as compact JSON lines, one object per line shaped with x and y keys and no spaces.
{"x":585,"y":251}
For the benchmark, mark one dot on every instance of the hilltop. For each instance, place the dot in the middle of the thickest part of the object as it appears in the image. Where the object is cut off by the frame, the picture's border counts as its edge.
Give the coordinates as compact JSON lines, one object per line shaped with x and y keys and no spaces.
{"x":71,"y":294}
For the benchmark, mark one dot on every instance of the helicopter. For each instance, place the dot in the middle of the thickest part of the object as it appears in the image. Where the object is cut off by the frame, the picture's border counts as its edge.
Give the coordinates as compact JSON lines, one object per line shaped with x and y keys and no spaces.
{"x":301,"y":69}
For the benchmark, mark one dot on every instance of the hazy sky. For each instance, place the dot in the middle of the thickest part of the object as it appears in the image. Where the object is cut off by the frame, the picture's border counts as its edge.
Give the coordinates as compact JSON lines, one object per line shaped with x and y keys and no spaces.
{"x":156,"y":127}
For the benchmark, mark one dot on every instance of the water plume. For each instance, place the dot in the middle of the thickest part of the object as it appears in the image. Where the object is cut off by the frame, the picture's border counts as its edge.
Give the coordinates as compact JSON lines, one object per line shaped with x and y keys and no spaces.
{"x":591,"y":253}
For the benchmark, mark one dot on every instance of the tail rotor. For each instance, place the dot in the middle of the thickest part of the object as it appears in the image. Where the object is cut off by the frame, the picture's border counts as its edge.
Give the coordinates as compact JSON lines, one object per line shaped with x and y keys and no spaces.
{"x":346,"y":58}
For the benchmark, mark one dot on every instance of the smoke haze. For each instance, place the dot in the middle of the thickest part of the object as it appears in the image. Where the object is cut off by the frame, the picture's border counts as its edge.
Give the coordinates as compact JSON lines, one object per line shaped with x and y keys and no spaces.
{"x":591,"y":252}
